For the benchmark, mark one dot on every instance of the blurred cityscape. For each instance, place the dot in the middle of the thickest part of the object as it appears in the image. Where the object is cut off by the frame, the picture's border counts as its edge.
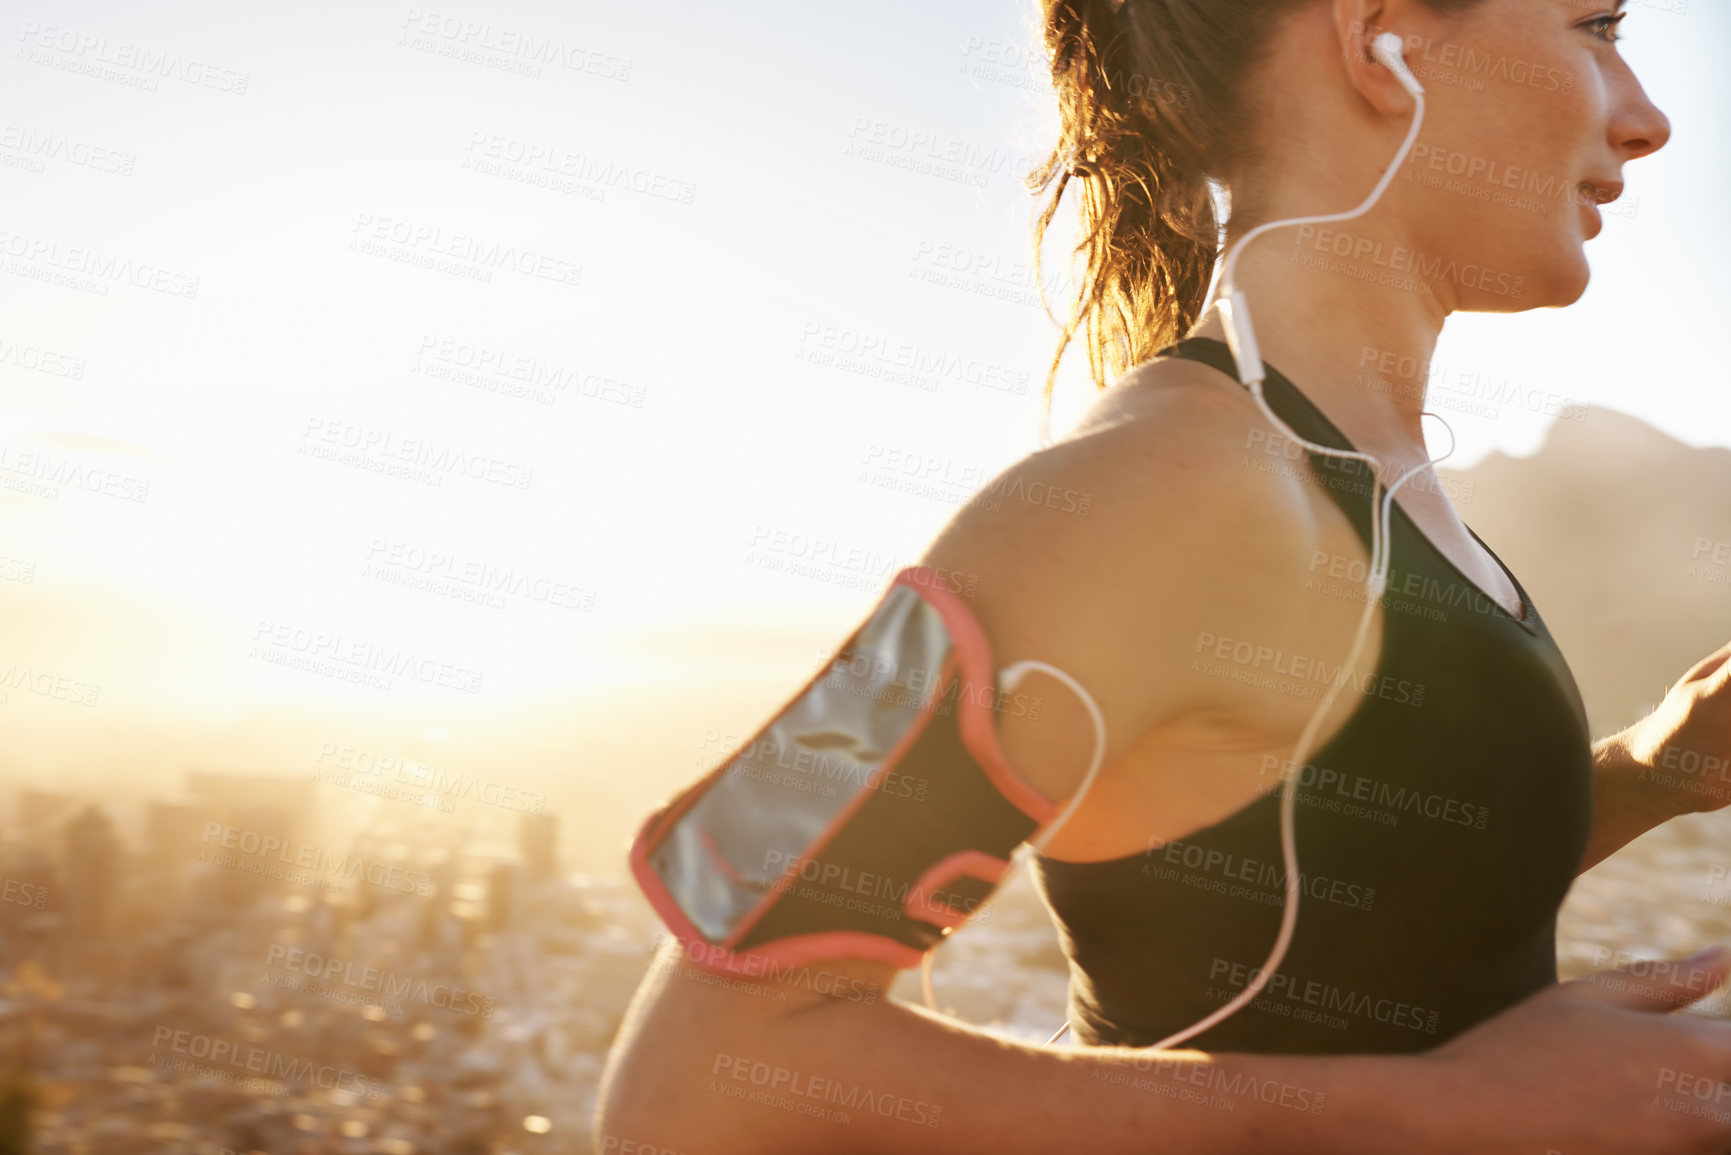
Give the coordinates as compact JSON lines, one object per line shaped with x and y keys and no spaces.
{"x":239,"y":968}
{"x":251,"y":966}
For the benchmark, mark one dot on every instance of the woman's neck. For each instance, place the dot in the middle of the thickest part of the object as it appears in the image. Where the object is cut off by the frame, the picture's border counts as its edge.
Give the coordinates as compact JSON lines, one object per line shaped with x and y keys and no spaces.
{"x":1359,"y":349}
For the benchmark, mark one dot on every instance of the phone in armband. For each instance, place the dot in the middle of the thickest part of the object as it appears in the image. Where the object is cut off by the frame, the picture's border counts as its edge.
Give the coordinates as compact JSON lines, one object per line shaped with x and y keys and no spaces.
{"x":868,"y":818}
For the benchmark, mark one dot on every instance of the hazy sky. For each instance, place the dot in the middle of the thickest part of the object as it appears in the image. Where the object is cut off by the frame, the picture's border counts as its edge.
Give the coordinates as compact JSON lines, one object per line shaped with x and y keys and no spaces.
{"x":272,"y":275}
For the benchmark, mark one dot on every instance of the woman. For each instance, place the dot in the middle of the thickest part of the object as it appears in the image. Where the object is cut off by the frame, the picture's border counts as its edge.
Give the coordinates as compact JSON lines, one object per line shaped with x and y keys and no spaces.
{"x":1417,"y":1008}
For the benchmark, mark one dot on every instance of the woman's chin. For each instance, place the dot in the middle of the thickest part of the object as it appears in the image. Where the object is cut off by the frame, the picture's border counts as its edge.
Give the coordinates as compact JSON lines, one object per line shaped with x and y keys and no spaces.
{"x":1559,"y":284}
{"x":1568,"y":283}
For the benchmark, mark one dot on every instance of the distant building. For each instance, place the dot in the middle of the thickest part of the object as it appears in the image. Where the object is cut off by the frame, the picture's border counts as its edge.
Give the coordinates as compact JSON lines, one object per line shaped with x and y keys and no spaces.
{"x":502,"y":887}
{"x":252,"y":826}
{"x":173,"y":835}
{"x":224,"y":793}
{"x":266,"y":842}
{"x":42,"y":812}
{"x":32,"y":914}
{"x":173,"y":829}
{"x":92,"y":873}
{"x":538,"y":843}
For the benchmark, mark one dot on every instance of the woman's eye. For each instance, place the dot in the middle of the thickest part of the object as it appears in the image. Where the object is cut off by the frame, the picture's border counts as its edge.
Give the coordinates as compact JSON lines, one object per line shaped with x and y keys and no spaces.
{"x":1605,"y":27}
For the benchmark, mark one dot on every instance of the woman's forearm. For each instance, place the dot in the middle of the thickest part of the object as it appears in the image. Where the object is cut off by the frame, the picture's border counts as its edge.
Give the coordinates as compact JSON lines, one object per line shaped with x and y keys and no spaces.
{"x":703,"y":1070}
{"x":1002,"y":1097}
{"x":708,"y":1066}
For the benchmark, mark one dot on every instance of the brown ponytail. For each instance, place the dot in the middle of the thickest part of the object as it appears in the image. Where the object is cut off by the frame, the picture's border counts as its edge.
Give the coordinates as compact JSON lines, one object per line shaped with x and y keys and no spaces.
{"x":1150,"y":99}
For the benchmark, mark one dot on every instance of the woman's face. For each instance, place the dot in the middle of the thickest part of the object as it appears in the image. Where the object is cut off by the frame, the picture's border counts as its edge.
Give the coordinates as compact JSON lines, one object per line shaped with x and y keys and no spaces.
{"x":1532,"y":115}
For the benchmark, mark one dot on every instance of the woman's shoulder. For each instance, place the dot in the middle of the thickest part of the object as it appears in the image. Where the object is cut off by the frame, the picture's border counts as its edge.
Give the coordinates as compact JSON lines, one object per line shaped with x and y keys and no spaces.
{"x":1166,"y":387}
{"x":1145,"y":530}
{"x":1162,"y":469}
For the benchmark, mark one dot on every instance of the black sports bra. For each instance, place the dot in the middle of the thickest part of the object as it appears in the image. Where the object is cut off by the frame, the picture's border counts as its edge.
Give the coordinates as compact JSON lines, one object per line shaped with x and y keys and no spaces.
{"x":1438,"y":832}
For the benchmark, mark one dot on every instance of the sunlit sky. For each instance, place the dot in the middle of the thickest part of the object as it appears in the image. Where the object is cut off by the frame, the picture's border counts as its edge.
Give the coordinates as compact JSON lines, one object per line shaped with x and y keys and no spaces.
{"x":306,"y":162}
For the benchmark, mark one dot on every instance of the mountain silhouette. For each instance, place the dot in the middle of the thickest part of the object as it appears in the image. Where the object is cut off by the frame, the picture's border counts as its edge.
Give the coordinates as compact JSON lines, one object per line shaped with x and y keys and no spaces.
{"x":1613,"y":527}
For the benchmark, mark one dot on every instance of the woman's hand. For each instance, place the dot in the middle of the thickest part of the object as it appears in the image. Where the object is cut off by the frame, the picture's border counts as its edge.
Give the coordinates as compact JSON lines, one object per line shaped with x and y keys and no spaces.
{"x":1529,"y":1081}
{"x":1680,"y":754}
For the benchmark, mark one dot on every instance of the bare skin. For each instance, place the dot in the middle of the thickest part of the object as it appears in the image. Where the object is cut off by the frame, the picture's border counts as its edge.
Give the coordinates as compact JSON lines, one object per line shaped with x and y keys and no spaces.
{"x":1188,"y":539}
{"x":1592,"y":1067}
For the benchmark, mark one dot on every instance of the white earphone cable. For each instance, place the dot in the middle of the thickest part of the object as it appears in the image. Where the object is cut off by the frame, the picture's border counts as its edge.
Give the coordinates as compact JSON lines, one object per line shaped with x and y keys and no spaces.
{"x":1375,"y":585}
{"x":1008,"y":678}
{"x":1377,"y":578}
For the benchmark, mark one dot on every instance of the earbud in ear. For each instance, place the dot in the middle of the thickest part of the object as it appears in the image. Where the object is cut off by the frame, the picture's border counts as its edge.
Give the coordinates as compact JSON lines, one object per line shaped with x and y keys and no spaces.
{"x":1390,"y":52}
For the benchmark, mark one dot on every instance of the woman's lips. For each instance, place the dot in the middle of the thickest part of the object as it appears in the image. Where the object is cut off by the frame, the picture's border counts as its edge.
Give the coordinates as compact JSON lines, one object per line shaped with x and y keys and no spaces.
{"x":1592,"y":194}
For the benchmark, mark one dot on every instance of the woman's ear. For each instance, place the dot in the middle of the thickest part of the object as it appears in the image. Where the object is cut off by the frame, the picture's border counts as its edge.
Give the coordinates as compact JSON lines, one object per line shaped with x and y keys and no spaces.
{"x":1357,"y":23}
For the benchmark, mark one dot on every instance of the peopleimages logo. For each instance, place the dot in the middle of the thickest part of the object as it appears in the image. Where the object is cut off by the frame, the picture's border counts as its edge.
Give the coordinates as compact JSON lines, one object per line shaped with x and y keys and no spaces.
{"x":449,"y":783}
{"x":1284,"y":989}
{"x":372,"y":980}
{"x":282,"y":643}
{"x":1288,"y":670}
{"x":89,"y":51}
{"x":1404,"y":262}
{"x":1354,"y":787}
{"x":777,"y":976}
{"x":29,"y":894}
{"x":829,"y":877}
{"x":103,"y":266}
{"x":782,"y":1087}
{"x":61,"y":687}
{"x":261,"y":848}
{"x":1235,"y":868}
{"x":1472,"y":63}
{"x":57,"y":471}
{"x":441,"y":458}
{"x":259,"y":1062}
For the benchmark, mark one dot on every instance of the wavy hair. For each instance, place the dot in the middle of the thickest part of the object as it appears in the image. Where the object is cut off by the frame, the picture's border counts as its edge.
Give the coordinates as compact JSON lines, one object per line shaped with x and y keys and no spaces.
{"x":1152,"y":106}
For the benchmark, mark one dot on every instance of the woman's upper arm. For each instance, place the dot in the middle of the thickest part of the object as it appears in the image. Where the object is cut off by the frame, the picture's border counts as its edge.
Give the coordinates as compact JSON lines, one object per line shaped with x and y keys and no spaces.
{"x":1181,"y":545}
